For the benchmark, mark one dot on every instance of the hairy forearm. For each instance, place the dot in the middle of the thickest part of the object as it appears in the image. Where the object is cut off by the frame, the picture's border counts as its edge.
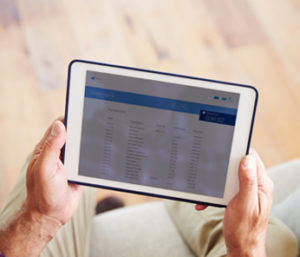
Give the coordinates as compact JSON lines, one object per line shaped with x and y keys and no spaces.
{"x":27,"y":234}
{"x":247,"y":252}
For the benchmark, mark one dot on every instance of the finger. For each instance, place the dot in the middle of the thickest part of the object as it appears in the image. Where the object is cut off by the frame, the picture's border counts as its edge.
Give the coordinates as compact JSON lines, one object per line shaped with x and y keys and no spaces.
{"x":264,"y":182}
{"x":248,"y":180}
{"x":258,"y":159}
{"x":41,"y":143}
{"x":53,"y":143}
{"x":38,"y":148}
{"x":200,"y":207}
{"x":261,"y":170}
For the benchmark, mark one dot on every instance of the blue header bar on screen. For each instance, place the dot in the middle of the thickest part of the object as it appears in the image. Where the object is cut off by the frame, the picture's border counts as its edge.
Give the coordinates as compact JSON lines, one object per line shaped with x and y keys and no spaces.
{"x":154,"y":101}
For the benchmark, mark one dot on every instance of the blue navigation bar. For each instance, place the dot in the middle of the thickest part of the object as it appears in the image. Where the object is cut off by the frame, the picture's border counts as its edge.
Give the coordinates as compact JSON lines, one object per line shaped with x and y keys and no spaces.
{"x":154,"y":101}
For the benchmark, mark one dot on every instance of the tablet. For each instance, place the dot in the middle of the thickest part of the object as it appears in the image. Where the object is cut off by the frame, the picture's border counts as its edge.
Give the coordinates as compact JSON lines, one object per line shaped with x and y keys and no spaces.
{"x":154,"y":133}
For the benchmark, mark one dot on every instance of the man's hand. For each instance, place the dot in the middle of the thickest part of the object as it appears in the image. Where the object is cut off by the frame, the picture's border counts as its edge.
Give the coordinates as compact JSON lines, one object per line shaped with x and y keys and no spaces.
{"x":51,"y":200}
{"x":48,"y":191}
{"x":246,"y":216}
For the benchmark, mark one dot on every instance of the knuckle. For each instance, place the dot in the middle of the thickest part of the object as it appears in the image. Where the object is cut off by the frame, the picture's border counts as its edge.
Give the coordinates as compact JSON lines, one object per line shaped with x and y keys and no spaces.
{"x":267,"y":188}
{"x":48,"y":144}
{"x":37,"y":149}
{"x":256,"y":219}
{"x":250,"y":181}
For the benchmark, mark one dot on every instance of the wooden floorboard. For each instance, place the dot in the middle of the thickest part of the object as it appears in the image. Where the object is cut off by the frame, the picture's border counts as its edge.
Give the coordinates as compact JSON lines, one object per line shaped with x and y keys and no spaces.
{"x":245,"y":41}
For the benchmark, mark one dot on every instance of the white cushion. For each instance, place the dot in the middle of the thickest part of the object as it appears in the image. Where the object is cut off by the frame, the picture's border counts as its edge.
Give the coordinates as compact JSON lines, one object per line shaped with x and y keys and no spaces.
{"x":286,"y":179}
{"x":288,"y":211}
{"x":286,"y":196}
{"x":142,"y":230}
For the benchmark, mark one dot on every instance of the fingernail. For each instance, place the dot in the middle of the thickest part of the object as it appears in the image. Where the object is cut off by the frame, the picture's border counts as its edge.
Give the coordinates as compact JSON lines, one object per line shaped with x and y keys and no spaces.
{"x":55,"y":129}
{"x":249,"y":163}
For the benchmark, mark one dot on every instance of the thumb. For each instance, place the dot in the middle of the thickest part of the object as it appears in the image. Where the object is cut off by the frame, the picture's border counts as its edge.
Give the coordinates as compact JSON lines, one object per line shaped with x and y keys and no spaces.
{"x":248,"y":180}
{"x":55,"y":141}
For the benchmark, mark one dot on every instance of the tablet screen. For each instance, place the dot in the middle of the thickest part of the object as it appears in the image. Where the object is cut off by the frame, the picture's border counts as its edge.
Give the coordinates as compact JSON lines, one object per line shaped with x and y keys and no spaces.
{"x":155,"y":133}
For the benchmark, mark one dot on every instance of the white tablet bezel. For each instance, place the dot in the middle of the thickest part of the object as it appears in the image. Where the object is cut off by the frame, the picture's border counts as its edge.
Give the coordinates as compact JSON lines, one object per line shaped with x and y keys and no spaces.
{"x":73,"y":119}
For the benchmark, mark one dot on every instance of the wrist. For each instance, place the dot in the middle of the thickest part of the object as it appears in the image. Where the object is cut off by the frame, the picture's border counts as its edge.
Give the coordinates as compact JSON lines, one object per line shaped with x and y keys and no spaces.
{"x":258,"y":251}
{"x":45,"y":226}
{"x":27,"y":233}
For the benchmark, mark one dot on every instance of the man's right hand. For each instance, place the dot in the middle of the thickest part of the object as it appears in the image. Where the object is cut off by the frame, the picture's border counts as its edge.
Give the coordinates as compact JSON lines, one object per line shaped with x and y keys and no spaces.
{"x":247,"y":214}
{"x":48,"y":190}
{"x":51,"y":200}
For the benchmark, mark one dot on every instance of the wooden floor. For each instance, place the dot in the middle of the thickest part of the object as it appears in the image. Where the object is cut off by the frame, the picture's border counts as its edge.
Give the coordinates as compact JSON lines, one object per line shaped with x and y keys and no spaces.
{"x":245,"y":41}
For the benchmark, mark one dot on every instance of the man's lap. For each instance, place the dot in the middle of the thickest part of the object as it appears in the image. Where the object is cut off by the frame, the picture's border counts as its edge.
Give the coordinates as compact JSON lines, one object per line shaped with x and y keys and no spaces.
{"x":201,"y":231}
